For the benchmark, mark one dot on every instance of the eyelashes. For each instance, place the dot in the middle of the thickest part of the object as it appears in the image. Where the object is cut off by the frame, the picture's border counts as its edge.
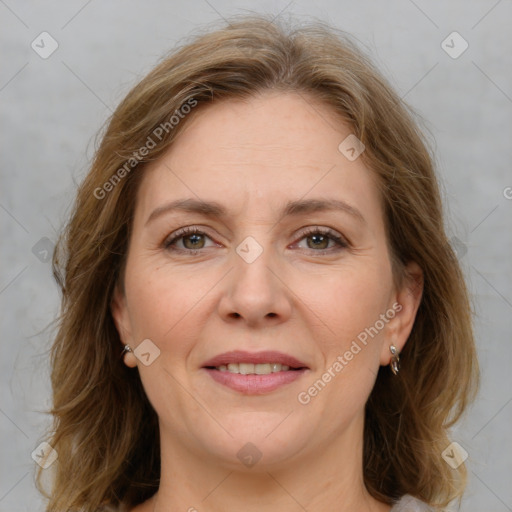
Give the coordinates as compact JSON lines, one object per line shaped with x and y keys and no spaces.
{"x":196,"y":239}
{"x":325,"y":234}
{"x":184,"y":233}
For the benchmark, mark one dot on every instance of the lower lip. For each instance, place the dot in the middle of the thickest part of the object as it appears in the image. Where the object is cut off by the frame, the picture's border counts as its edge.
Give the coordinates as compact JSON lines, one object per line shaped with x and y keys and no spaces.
{"x":255,"y":384}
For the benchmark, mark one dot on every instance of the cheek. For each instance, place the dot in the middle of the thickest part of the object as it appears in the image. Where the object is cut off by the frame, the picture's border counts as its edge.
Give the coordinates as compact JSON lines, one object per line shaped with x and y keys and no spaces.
{"x":166,"y":304}
{"x":349,"y":301}
{"x":168,"y":307}
{"x":350,"y":339}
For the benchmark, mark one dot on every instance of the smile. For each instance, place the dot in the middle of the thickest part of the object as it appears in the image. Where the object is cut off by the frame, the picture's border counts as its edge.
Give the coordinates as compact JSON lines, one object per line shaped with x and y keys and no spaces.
{"x":254,"y":369}
{"x":254,"y":373}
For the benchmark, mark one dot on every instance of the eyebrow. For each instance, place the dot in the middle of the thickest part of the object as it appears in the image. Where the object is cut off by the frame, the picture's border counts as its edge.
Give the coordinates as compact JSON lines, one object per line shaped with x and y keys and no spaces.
{"x":291,"y":208}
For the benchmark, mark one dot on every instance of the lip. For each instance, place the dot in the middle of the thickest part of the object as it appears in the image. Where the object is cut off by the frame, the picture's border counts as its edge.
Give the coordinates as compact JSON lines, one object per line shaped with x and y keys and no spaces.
{"x":265,"y":356}
{"x":255,"y":384}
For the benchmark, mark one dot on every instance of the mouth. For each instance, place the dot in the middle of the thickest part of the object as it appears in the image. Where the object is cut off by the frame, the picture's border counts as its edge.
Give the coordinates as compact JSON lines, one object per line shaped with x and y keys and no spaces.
{"x":254,"y":373}
{"x":253,"y":369}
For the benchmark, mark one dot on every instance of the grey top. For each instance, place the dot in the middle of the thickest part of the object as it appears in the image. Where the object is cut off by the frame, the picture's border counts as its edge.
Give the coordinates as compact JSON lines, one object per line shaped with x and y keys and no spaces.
{"x":410,"y":504}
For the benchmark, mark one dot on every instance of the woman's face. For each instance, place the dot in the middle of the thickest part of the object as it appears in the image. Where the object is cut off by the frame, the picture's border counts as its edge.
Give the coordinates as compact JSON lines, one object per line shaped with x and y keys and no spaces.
{"x":287,"y":263}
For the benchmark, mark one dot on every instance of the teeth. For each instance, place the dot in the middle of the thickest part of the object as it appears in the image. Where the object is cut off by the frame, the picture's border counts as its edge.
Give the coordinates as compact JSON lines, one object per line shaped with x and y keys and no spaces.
{"x":262,"y":369}
{"x":245,"y":368}
{"x":253,"y":369}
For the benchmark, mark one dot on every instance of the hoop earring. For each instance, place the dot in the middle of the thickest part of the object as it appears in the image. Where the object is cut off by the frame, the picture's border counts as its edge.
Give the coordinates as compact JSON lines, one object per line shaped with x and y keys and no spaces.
{"x":126,"y":348}
{"x":395,"y":360}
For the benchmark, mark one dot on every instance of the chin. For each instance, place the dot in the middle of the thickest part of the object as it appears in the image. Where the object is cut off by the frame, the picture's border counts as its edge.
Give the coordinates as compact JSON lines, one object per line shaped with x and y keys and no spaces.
{"x":259,"y":439}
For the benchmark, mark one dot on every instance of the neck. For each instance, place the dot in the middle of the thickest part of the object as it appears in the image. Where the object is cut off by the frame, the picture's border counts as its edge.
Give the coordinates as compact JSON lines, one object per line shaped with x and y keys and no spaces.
{"x":328,"y":477}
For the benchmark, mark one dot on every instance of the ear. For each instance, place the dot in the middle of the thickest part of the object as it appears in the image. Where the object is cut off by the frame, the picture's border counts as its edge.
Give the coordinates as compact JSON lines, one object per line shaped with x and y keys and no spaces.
{"x":120,"y":314}
{"x":405,"y":303}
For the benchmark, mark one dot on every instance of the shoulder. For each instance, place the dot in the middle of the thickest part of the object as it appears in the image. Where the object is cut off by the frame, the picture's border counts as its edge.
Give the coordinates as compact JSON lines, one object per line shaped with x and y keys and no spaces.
{"x":409,"y":504}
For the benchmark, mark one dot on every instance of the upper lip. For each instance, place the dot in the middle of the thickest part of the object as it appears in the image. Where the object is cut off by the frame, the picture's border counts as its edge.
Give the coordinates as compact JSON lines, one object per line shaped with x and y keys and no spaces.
{"x":265,"y":356}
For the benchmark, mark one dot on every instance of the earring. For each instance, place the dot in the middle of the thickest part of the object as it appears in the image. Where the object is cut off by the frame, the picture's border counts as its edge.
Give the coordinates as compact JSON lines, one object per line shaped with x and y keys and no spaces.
{"x":129,"y":357}
{"x":395,"y":360}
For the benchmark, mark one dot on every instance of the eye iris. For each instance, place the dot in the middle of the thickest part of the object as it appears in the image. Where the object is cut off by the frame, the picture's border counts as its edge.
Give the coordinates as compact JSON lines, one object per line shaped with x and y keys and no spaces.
{"x":324,"y":241}
{"x":194,"y":239}
{"x":315,"y":241}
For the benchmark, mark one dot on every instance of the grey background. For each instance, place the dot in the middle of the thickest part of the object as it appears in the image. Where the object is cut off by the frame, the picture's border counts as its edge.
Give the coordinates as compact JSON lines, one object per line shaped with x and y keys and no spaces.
{"x":52,"y":108}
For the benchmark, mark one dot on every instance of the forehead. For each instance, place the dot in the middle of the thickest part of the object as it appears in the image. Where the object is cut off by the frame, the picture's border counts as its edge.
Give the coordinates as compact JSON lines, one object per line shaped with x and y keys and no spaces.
{"x":256,"y":152}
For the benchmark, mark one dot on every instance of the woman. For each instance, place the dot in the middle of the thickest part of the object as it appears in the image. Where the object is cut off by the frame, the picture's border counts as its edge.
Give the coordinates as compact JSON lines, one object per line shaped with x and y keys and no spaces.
{"x":261,"y":309}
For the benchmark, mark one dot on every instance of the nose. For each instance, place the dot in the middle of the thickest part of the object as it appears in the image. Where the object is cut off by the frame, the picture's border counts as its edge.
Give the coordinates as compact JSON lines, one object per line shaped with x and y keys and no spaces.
{"x":255,"y":292}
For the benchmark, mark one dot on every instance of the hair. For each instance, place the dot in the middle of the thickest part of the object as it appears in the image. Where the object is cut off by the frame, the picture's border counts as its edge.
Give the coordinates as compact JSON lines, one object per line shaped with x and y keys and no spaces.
{"x":105,"y":430}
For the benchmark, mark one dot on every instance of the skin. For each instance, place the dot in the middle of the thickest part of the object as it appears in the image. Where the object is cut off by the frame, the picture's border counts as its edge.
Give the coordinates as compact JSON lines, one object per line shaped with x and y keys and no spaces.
{"x":303,"y":296}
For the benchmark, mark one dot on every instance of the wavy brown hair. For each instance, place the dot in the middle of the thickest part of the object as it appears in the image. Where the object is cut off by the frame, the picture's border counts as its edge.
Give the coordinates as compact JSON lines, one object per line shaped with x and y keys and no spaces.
{"x":105,"y":430}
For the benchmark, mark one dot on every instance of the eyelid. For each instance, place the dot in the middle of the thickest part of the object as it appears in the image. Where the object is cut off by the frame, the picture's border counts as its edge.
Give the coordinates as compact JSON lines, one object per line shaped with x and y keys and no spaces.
{"x":184,"y":231}
{"x":340,"y":240}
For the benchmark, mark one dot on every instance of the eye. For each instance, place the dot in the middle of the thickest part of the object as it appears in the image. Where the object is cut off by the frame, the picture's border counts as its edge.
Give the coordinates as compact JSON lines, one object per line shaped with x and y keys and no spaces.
{"x":192,"y":240}
{"x":323,"y":240}
{"x":189,"y":239}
